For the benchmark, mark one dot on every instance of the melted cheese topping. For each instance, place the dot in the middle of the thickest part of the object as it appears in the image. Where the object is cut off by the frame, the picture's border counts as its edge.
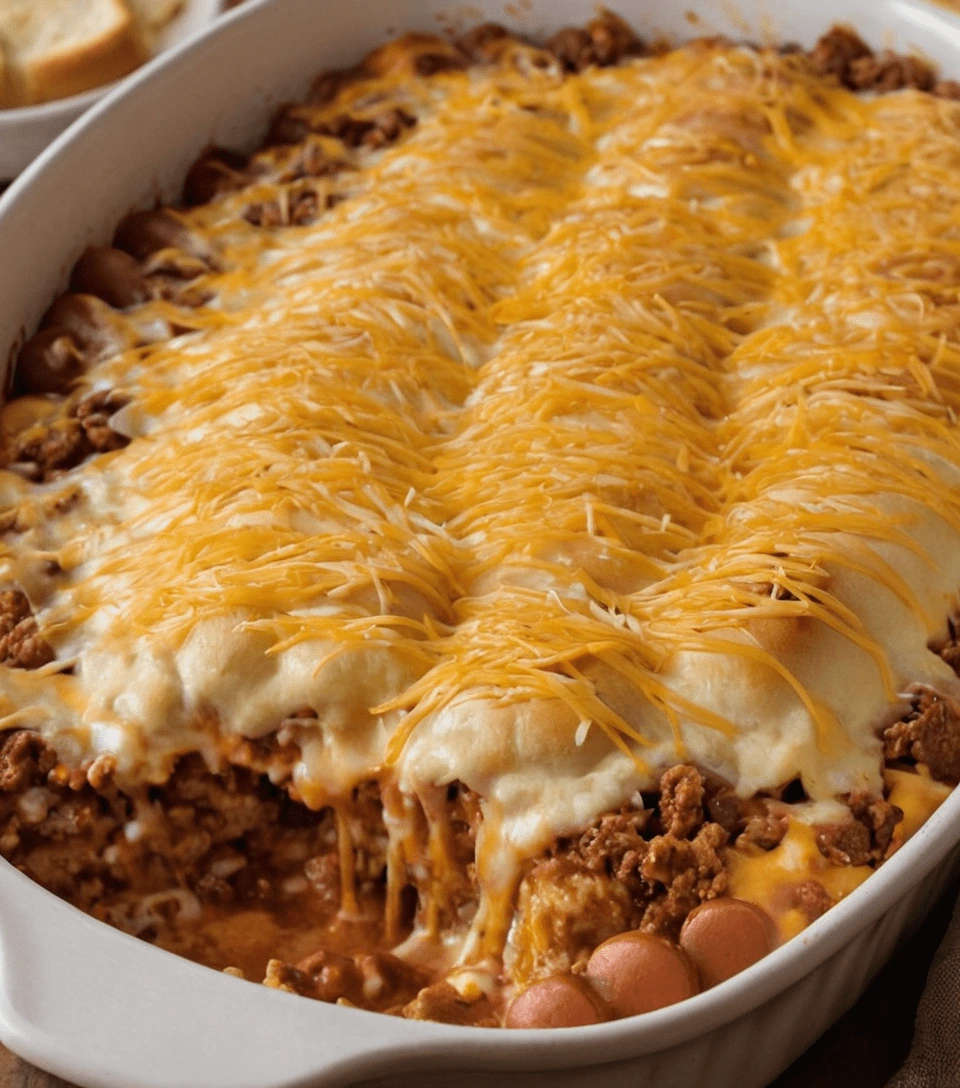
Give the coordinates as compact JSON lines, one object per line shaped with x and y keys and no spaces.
{"x":607,"y":420}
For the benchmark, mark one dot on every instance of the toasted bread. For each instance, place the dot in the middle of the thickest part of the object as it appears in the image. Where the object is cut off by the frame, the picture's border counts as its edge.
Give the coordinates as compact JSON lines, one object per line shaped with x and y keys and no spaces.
{"x":153,"y":15}
{"x":6,"y":92}
{"x":58,"y":48}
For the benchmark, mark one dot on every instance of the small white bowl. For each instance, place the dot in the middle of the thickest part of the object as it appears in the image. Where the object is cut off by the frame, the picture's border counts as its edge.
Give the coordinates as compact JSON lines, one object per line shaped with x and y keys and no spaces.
{"x":26,"y":131}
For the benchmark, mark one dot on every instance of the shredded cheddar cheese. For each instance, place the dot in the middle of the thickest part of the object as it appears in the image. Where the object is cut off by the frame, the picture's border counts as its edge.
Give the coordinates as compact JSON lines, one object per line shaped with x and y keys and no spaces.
{"x":603,"y":420}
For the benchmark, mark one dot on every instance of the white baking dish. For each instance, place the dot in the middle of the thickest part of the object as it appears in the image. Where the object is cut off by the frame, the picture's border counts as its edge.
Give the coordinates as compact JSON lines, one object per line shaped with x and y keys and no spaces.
{"x":26,"y":131}
{"x":106,"y":1011}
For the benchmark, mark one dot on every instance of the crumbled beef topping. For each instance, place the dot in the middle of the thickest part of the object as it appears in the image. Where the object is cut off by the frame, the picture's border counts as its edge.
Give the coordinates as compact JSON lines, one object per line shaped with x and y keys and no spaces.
{"x":370,"y":980}
{"x":842,"y":54}
{"x":764,"y":832}
{"x":21,"y":646}
{"x":82,"y":837}
{"x":744,"y":821}
{"x":667,"y":875}
{"x":484,"y":43}
{"x":441,"y":1002}
{"x":603,"y":41}
{"x":51,"y":447}
{"x":681,"y":800}
{"x":812,"y":898}
{"x":866,"y":838}
{"x":929,"y":734}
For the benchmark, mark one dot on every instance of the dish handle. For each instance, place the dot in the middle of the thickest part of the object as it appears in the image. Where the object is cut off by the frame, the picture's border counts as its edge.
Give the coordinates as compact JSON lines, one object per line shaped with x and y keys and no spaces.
{"x":88,"y":1003}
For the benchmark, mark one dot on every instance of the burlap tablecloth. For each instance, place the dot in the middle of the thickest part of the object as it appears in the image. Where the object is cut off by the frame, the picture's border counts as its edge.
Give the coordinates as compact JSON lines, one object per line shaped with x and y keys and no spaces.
{"x":934,"y":1060}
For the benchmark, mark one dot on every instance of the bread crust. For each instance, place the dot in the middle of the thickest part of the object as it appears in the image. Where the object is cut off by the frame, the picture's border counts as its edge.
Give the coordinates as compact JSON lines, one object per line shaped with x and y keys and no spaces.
{"x":84,"y":65}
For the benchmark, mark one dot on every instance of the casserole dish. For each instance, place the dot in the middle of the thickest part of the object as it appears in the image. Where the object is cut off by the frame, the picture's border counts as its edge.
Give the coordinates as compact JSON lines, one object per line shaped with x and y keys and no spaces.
{"x":517,"y":1051}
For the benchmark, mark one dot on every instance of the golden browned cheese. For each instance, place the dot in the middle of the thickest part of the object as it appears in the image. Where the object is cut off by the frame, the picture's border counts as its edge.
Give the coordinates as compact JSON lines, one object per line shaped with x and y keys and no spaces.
{"x":602,"y":421}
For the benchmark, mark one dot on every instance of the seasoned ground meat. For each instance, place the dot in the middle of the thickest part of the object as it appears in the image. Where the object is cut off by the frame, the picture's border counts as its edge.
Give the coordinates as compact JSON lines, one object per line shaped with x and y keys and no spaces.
{"x":230,"y":836}
{"x":50,"y":447}
{"x":950,"y":651}
{"x":614,"y":846}
{"x":681,"y":800}
{"x":843,"y":54}
{"x":297,"y":207}
{"x":94,"y":413}
{"x":890,"y":72}
{"x":746,"y":822}
{"x":368,"y":837}
{"x":836,"y":51}
{"x":25,"y":761}
{"x":813,"y":899}
{"x":764,"y":831}
{"x":47,"y":448}
{"x":385,"y":127}
{"x":865,"y":839}
{"x":443,"y":1003}
{"x":613,"y":878}
{"x":21,"y":646}
{"x":293,"y":123}
{"x":929,"y":734}
{"x":573,"y":47}
{"x":604,"y":41}
{"x":376,"y":980}
{"x":681,"y":874}
{"x":485,"y":42}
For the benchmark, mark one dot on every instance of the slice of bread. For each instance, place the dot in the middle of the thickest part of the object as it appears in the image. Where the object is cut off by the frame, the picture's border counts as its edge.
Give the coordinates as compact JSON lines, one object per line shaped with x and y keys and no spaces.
{"x":154,"y":15}
{"x":6,"y":91}
{"x":58,"y":48}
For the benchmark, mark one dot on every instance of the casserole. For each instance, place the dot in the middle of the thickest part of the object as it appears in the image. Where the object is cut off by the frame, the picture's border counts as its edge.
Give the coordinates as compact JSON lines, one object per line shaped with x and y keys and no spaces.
{"x":556,"y":1043}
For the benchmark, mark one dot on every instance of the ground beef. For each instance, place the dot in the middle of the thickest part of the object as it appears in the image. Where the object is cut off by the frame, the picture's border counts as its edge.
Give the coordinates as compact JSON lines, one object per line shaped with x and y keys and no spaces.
{"x":620,"y":874}
{"x":371,"y":980}
{"x":324,"y":976}
{"x":813,"y":899}
{"x":681,"y":874}
{"x":484,"y":43}
{"x":293,"y":123}
{"x":681,"y":800}
{"x":21,"y":646}
{"x":950,"y":651}
{"x":47,"y":448}
{"x":890,"y":72}
{"x":51,"y":447}
{"x":368,"y":836}
{"x":229,"y":836}
{"x":867,"y":838}
{"x":94,"y":413}
{"x":573,"y":47}
{"x":384,"y":128}
{"x":745,"y":821}
{"x":929,"y":734}
{"x":465,"y":817}
{"x":614,"y":846}
{"x":328,"y":85}
{"x":764,"y":832}
{"x":296,"y":207}
{"x":836,"y":51}
{"x":441,"y":1002}
{"x":604,"y":41}
{"x":323,"y":873}
{"x":842,"y":54}
{"x":25,"y":761}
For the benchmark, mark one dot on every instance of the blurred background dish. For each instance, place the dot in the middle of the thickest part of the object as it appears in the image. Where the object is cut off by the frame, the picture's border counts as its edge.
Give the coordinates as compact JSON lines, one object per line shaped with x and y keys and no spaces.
{"x":58,"y":57}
